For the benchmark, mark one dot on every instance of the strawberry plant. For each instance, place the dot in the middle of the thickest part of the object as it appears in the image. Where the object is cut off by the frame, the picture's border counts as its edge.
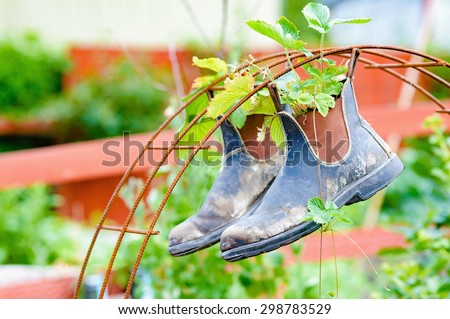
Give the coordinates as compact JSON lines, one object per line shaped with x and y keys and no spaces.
{"x":318,"y":92}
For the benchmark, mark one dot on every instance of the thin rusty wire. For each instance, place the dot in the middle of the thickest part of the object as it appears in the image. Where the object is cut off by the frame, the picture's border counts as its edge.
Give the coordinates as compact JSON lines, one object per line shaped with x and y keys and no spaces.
{"x":421,"y":69}
{"x":403,"y":65}
{"x":404,"y":79}
{"x":129,"y":230}
{"x":150,"y":231}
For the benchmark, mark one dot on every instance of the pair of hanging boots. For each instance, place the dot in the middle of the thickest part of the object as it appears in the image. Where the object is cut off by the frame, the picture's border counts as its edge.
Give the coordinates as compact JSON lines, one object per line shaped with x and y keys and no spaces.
{"x":257,"y":205}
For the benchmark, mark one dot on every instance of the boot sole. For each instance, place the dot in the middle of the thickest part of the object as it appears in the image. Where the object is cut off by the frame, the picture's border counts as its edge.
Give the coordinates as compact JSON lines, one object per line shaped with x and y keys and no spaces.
{"x":213,"y":237}
{"x":361,"y":190}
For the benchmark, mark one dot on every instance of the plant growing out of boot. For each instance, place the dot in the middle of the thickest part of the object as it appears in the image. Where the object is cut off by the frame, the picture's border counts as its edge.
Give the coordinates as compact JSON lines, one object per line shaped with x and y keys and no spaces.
{"x":315,"y":93}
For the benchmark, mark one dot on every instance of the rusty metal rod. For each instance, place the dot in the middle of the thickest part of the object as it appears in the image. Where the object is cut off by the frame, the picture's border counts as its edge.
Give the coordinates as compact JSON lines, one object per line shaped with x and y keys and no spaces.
{"x":129,"y":230}
{"x":404,"y":79}
{"x":403,"y":65}
{"x":400,"y":60}
{"x":183,"y":147}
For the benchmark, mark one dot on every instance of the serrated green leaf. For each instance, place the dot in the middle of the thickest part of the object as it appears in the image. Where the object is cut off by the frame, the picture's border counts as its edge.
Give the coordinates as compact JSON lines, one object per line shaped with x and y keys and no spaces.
{"x":333,"y":88}
{"x":326,"y":76}
{"x":290,"y":35}
{"x":305,"y":98}
{"x":318,"y":16}
{"x":330,"y":205}
{"x":238,"y":117}
{"x":315,"y":204}
{"x":330,"y":62}
{"x":214,"y":64}
{"x":266,"y":29}
{"x":345,"y":219}
{"x":261,"y":105}
{"x":195,"y":134}
{"x":350,"y":21}
{"x":203,"y":81}
{"x":276,"y":132}
{"x":235,"y":89}
{"x":313,"y":71}
{"x":198,"y":105}
{"x":284,"y":32}
{"x":324,"y":102}
{"x":285,"y":81}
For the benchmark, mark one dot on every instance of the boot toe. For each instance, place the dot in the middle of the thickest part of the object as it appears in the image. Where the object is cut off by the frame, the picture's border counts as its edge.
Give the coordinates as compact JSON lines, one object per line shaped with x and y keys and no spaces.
{"x":184,"y":232}
{"x":240,"y":235}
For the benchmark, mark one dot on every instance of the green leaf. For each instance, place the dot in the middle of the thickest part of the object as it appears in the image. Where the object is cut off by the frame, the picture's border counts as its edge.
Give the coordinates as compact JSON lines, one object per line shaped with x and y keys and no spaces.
{"x":324,"y":102}
{"x":198,"y":105}
{"x":214,"y":64}
{"x":276,"y":132}
{"x":285,"y":81}
{"x":284,"y":32}
{"x":330,"y":205}
{"x":315,"y":204}
{"x":203,"y":81}
{"x":318,"y":16}
{"x":313,"y":71}
{"x":261,"y":104}
{"x":350,"y":21}
{"x":323,"y":213}
{"x":333,"y":88}
{"x":195,"y":134}
{"x":305,"y":98}
{"x":235,"y":89}
{"x":238,"y":117}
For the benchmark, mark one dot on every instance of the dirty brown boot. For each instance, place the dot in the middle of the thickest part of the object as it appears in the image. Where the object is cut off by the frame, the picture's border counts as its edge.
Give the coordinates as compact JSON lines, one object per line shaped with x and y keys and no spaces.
{"x":248,"y":168}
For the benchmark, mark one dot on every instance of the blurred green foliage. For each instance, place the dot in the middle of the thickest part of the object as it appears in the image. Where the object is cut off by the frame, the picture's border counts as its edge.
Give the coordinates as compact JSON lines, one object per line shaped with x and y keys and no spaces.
{"x":30,"y":73}
{"x":422,"y":197}
{"x":118,"y":101}
{"x":30,"y":230}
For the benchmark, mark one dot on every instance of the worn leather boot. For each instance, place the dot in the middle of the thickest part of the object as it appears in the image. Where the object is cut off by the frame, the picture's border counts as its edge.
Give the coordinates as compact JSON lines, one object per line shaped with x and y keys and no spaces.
{"x":355,"y":163}
{"x":248,"y":168}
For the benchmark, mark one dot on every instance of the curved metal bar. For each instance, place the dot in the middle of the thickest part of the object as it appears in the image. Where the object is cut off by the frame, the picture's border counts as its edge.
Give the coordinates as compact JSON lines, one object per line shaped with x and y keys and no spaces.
{"x":421,"y":69}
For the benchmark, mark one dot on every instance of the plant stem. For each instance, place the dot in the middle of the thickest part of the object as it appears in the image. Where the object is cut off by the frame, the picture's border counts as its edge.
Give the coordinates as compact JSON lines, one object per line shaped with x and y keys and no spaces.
{"x":318,"y":158}
{"x":322,"y":39}
{"x":320,"y":264}
{"x":288,"y":58}
{"x":367,"y":258}
{"x":335,"y":265}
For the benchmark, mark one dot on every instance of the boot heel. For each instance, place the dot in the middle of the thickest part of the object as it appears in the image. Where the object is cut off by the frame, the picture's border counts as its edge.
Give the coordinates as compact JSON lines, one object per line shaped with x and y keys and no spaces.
{"x":372,"y":183}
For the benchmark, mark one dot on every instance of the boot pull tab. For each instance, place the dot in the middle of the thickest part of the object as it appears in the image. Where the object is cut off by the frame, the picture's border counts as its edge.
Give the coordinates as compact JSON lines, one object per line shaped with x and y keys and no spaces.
{"x":352,"y":62}
{"x":272,"y":86}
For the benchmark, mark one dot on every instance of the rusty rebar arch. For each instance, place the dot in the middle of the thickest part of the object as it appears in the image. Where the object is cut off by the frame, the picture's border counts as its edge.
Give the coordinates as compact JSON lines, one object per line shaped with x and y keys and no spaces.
{"x":369,"y":49}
